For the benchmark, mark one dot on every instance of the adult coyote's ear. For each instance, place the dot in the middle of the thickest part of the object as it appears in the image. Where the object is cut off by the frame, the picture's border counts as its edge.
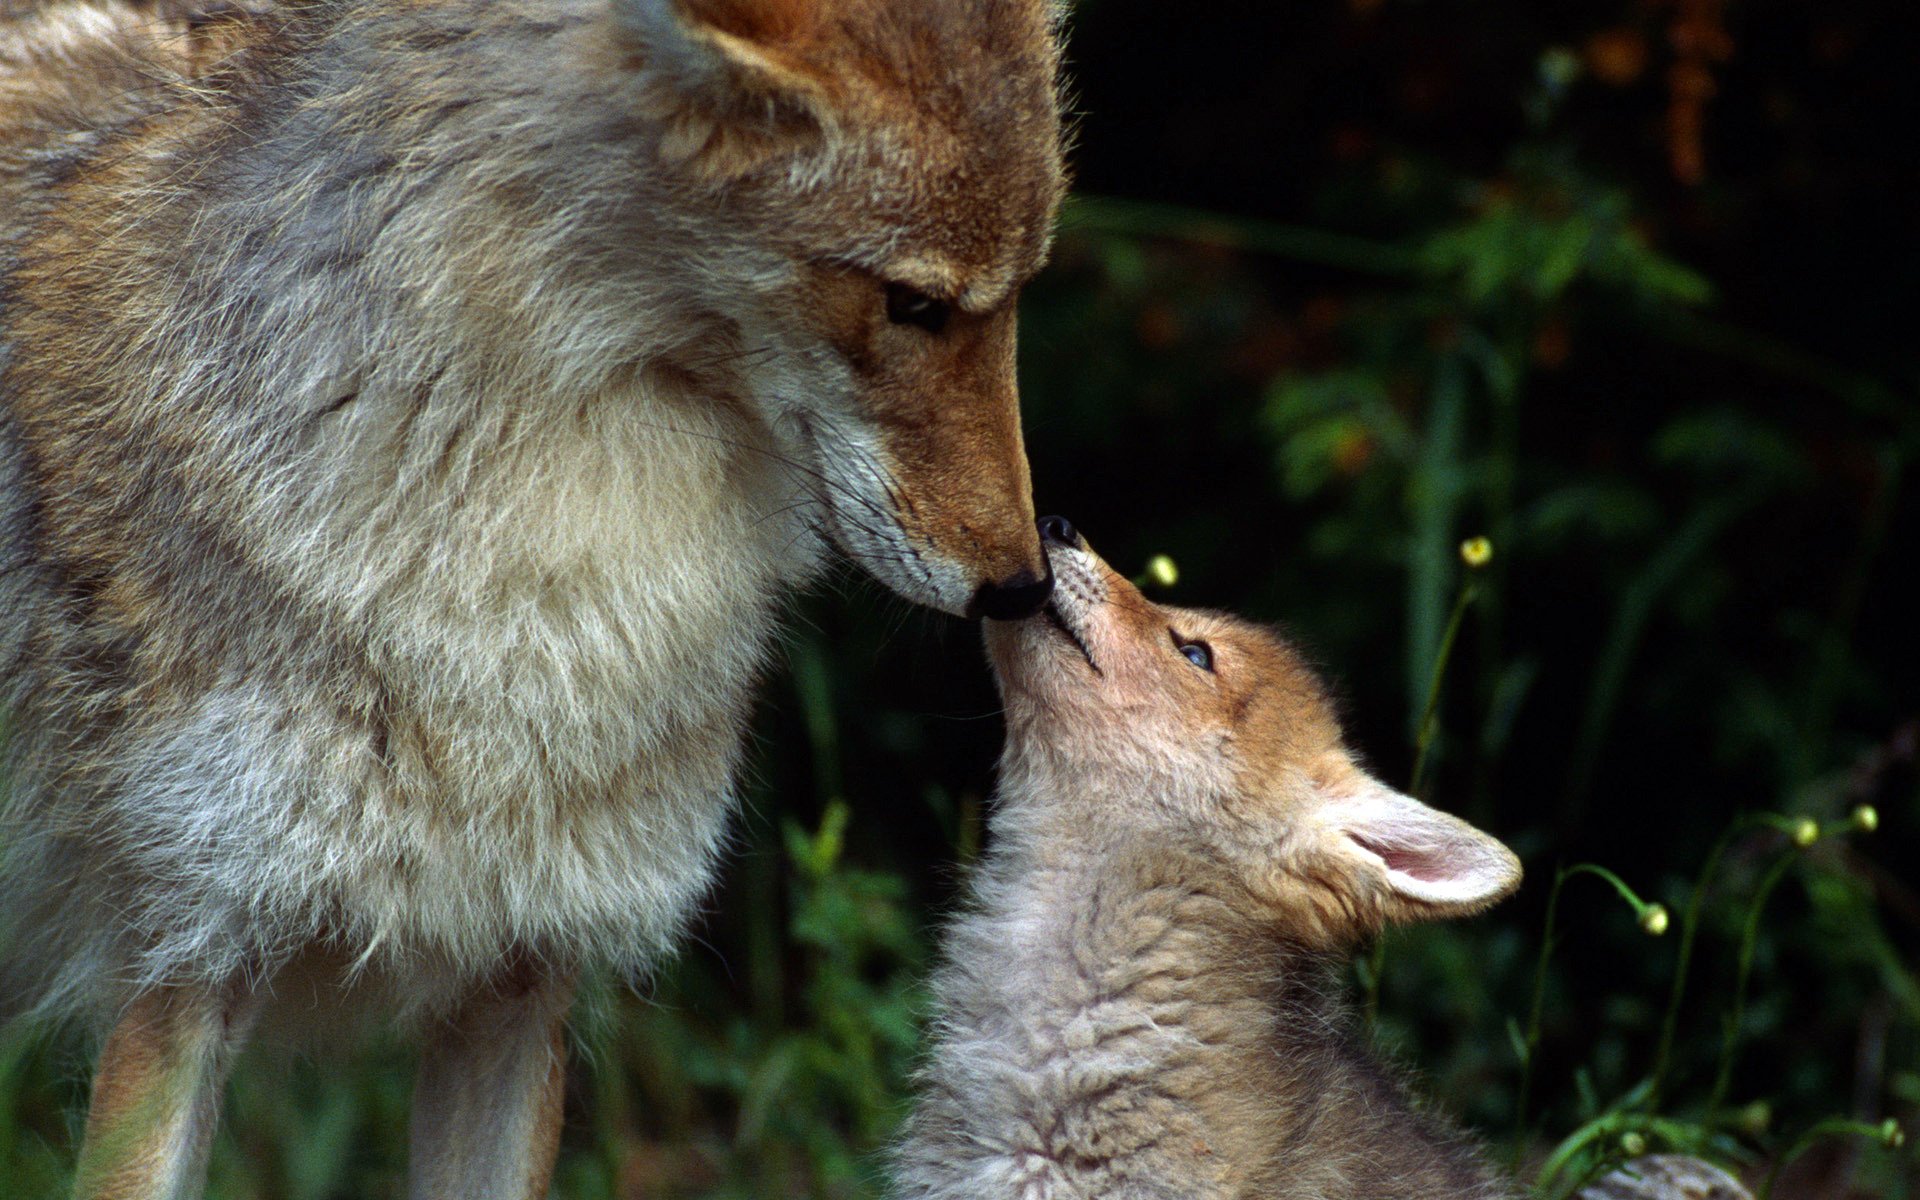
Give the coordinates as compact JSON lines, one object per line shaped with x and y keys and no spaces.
{"x":726,"y":80}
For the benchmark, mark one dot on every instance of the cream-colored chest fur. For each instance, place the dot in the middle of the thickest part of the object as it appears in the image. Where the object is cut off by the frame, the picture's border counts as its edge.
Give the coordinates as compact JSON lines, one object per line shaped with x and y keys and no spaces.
{"x":516,"y":717}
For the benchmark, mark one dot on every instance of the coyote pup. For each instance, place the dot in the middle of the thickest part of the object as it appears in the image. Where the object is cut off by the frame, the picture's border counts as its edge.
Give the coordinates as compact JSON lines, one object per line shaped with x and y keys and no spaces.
{"x":1141,"y":1002}
{"x":412,"y":416}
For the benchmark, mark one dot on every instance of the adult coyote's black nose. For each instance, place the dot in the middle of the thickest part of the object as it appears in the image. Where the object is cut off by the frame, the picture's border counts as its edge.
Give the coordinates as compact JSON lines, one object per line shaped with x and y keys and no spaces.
{"x":1012,"y":598}
{"x":1023,"y":594}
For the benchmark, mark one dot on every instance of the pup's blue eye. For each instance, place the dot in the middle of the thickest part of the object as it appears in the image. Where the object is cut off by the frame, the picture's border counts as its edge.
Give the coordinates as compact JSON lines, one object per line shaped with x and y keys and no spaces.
{"x":1198,"y":653}
{"x":905,"y":306}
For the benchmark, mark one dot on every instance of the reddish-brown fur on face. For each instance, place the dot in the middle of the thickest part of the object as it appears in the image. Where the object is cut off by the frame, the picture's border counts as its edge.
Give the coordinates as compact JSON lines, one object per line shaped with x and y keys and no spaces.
{"x":1136,"y":1001}
{"x":944,"y":114}
{"x":947,"y":409}
{"x":1237,"y":758}
{"x":1260,"y":699}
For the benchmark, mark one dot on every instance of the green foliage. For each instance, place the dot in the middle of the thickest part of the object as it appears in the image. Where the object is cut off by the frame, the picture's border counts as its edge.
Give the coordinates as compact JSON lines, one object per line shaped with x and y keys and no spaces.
{"x":793,"y":1094}
{"x":1546,"y":230}
{"x":33,"y":1153}
{"x":813,"y":1096}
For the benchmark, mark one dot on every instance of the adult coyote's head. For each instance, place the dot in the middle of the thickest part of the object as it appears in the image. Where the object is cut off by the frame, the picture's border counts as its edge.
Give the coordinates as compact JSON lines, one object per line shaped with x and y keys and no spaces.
{"x":865,"y":186}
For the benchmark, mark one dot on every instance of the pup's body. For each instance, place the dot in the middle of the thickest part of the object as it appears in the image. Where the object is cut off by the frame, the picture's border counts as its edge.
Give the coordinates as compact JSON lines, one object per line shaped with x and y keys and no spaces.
{"x":1143,"y":1000}
{"x":411,"y":417}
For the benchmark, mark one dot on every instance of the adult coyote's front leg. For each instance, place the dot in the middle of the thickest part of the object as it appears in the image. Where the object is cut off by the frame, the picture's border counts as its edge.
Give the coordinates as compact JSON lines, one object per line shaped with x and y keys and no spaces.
{"x":488,"y":1099}
{"x":156,"y":1093}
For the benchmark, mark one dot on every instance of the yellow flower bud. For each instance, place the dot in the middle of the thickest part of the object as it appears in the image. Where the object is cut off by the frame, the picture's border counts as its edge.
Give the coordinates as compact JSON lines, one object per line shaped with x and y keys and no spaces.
{"x":1476,"y":552}
{"x":1866,"y":818}
{"x":1654,"y":919}
{"x":1806,"y":831}
{"x":1161,"y":572}
{"x":1755,"y":1117}
{"x":1633,"y":1144}
{"x":1892,"y":1135}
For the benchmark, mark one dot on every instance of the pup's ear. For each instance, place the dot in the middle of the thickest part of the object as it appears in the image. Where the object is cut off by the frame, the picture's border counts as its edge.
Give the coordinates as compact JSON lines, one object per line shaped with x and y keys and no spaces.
{"x":1419,"y":863}
{"x":725,"y":80}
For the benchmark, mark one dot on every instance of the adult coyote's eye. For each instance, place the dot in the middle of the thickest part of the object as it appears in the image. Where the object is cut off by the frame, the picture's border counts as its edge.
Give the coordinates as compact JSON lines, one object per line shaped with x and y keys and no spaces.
{"x":1197,"y":652}
{"x":906,"y":306}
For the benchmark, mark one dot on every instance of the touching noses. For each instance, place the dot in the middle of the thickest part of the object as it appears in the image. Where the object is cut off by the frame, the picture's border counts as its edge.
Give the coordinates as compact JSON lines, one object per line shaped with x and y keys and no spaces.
{"x":1024,"y":592}
{"x":1061,"y":531}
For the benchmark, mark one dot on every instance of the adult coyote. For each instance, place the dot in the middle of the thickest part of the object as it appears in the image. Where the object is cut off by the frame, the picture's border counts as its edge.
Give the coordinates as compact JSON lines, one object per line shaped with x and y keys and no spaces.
{"x":413,"y":414}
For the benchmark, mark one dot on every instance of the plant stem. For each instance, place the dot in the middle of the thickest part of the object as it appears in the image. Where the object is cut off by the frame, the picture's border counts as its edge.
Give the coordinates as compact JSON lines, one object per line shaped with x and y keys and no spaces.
{"x":1619,"y":885}
{"x":1531,"y":1039}
{"x":1430,"y":716}
{"x":1830,"y":649}
{"x":1376,"y":963}
{"x":1630,"y":620}
{"x":1832,"y":1126}
{"x":1423,"y":745}
{"x":1505,"y":374}
{"x":1730,"y":1038}
{"x":813,"y":684}
{"x":1606,"y":1125}
{"x":1689,"y":927}
{"x":1433,"y":507}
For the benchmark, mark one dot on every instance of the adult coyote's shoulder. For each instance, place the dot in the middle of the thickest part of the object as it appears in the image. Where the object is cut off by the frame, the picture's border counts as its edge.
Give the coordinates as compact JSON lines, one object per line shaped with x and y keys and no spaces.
{"x":413,"y":412}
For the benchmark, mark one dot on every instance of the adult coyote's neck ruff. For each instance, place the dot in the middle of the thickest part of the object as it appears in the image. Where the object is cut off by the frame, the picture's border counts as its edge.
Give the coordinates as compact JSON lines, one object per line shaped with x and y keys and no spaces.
{"x":412,"y":415}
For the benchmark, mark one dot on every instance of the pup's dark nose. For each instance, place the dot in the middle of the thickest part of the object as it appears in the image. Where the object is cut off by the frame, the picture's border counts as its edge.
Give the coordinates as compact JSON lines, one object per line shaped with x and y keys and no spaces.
{"x":1014,"y":597}
{"x":1061,"y":530}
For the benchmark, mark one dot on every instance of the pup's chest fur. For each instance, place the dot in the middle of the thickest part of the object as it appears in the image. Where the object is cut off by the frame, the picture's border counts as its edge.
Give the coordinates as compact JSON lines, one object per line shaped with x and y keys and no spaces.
{"x":1072,"y":1059}
{"x":1118,"y":1030}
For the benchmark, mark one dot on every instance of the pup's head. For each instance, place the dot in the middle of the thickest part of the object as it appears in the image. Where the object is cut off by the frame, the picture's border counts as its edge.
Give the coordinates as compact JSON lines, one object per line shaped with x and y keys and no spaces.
{"x":1209,"y":735}
{"x":887,"y":173}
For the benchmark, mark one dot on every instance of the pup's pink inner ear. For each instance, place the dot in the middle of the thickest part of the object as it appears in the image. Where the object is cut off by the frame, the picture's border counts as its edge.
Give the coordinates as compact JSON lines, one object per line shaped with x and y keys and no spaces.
{"x":1438,"y":861}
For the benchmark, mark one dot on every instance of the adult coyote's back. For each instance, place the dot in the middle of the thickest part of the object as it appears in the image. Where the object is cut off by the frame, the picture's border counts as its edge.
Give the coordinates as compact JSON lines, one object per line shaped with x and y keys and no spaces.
{"x":413,"y":412}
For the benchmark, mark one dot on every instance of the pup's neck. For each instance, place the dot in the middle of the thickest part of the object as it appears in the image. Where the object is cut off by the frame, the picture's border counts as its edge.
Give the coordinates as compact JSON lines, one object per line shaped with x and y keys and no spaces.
{"x":1113,"y":1011}
{"x":1107,"y":1012}
{"x":1097,"y":919}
